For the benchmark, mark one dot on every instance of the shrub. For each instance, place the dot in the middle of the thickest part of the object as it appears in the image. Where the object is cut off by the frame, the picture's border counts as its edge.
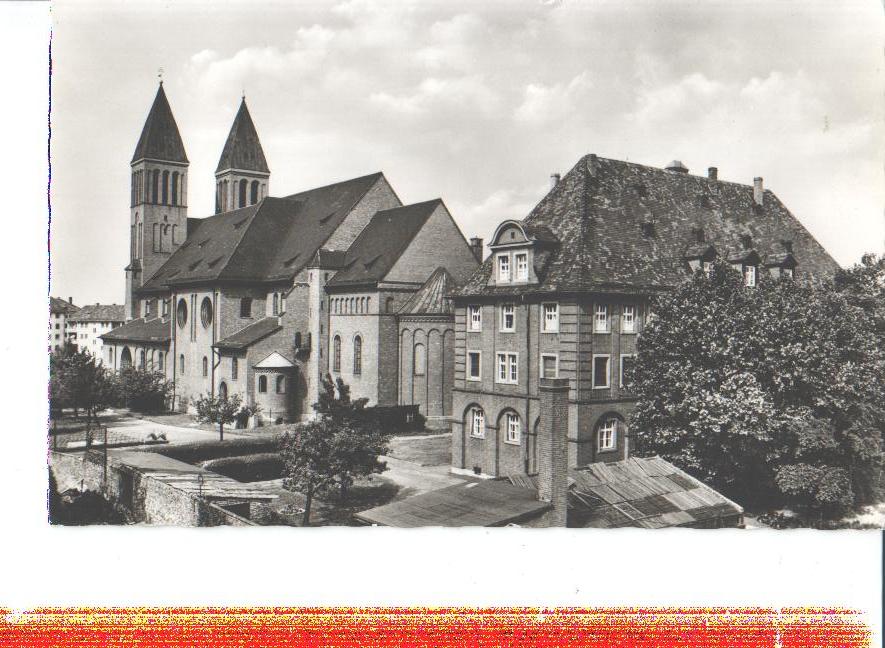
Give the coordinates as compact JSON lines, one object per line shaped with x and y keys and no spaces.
{"x":193,"y":453}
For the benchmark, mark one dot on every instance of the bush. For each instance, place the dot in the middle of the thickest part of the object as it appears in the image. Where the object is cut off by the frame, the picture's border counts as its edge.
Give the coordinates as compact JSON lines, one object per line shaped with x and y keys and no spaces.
{"x":248,"y":468}
{"x":144,"y":391}
{"x":193,"y":453}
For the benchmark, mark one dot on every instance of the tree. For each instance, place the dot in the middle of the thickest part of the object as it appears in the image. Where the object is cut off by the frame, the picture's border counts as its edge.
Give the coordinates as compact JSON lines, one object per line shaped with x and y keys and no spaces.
{"x":864,"y":286}
{"x":78,"y":380}
{"x":308,"y":464}
{"x":212,"y":409}
{"x":357,"y":441}
{"x":143,"y":390}
{"x":773,"y":394}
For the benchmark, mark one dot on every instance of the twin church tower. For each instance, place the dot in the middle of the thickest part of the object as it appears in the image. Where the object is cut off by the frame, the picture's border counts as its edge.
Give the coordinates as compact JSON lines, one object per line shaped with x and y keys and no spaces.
{"x":158,"y":201}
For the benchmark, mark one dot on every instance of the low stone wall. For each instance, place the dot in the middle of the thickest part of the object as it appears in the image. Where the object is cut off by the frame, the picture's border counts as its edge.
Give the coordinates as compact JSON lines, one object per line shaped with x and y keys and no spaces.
{"x":147,"y":499}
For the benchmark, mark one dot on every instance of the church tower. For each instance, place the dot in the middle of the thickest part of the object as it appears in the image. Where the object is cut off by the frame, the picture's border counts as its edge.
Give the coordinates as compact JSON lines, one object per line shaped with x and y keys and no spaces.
{"x":242,"y":175}
{"x":158,"y":213}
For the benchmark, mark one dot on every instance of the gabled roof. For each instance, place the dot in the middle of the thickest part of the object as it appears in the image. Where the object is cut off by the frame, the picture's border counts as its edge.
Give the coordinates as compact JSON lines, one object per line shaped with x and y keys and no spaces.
{"x":275,"y":361}
{"x":155,"y":330}
{"x":57,"y":305}
{"x":269,"y":241}
{"x":100,"y":313}
{"x":249,"y":335}
{"x":433,"y":298}
{"x":381,"y":243}
{"x":160,"y":139}
{"x":242,"y":150}
{"x":625,"y":226}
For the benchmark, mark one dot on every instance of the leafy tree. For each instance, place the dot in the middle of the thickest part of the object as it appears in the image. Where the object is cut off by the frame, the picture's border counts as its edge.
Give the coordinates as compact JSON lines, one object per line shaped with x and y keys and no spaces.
{"x":774,"y":394}
{"x":864,"y":286}
{"x":215,"y":409}
{"x":143,"y":390}
{"x":308,"y":465}
{"x":357,"y":441}
{"x":78,"y":380}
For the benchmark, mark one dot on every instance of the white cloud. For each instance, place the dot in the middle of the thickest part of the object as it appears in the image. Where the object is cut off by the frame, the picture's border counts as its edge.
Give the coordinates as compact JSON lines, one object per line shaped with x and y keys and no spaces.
{"x":551,"y":103}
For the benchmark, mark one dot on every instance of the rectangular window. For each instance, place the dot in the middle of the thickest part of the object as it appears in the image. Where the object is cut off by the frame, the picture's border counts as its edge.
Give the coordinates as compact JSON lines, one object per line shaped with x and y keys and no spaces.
{"x":508,"y":318}
{"x":600,"y":371}
{"x":788,"y":273}
{"x":504,"y":267}
{"x":246,"y":307}
{"x":508,"y":372}
{"x":477,"y":423}
{"x":607,"y":434}
{"x":475,"y":314}
{"x":600,"y":318}
{"x":549,"y":365}
{"x":513,"y":428}
{"x":627,"y":364}
{"x":750,"y":275}
{"x":276,"y":304}
{"x":629,"y":319}
{"x":522,"y":266}
{"x":474,"y":365}
{"x":550,"y":323}
{"x":234,"y":368}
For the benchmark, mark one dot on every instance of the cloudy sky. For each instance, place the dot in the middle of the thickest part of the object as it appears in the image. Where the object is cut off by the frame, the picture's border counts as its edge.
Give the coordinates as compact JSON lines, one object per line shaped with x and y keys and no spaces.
{"x":475,"y":102}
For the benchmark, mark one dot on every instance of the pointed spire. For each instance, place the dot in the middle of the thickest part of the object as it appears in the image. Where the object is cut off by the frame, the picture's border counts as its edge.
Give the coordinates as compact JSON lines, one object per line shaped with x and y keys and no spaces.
{"x":242,"y":150}
{"x":160,"y":139}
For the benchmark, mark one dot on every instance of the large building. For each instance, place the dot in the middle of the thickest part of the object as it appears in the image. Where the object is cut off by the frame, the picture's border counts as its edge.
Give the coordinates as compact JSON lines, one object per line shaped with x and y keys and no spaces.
{"x":91,"y":322}
{"x":565,"y":293}
{"x":60,"y":331}
{"x":269,"y":294}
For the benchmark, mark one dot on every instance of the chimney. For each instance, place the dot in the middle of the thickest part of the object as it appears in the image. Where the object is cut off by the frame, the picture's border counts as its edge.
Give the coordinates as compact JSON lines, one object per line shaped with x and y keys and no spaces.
{"x":476,"y":246}
{"x":553,"y":449}
{"x":554,"y":180}
{"x":676,"y":166}
{"x":713,"y":173}
{"x":71,"y":301}
{"x":758,"y":191}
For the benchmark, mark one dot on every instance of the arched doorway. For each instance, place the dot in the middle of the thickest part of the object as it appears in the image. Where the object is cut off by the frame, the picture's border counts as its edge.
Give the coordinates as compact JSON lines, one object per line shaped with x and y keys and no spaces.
{"x":222,"y":391}
{"x":125,"y":358}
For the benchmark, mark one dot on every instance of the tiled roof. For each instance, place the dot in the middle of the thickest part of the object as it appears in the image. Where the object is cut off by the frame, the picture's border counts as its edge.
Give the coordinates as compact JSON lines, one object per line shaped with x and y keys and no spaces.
{"x":269,"y":241}
{"x":649,"y":493}
{"x":381,"y":243}
{"x":100,"y":313}
{"x":57,"y":305}
{"x":434,"y":297}
{"x":155,"y":330}
{"x":160,"y":139}
{"x":486,"y":503}
{"x":249,"y":335}
{"x":242,"y":150}
{"x":625,"y":226}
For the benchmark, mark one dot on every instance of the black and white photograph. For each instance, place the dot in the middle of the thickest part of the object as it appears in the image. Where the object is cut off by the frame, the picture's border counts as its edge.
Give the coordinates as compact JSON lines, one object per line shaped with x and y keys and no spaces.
{"x":547,"y":263}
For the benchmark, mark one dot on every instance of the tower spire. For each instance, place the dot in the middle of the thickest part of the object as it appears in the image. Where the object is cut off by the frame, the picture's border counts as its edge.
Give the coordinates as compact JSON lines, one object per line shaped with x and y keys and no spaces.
{"x":242,"y":173}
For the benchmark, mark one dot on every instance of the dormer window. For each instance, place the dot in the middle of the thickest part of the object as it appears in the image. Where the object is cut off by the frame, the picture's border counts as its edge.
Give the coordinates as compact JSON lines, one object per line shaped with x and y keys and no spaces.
{"x":522,"y":266}
{"x":749,"y":275}
{"x":504,"y":267}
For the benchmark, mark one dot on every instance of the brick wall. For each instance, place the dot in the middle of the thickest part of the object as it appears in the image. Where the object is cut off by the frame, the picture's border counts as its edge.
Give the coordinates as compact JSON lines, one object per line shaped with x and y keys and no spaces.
{"x":380,"y":196}
{"x":432,"y":392}
{"x":552,"y":450}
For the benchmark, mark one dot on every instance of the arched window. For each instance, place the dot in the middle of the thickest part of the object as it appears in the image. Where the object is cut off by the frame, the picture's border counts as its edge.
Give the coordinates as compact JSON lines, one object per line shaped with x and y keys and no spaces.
{"x":132,"y":195}
{"x":607,"y":434}
{"x":336,"y":354}
{"x":276,"y":304}
{"x":218,"y":198}
{"x":262,"y":384}
{"x":141,"y":359}
{"x":155,"y":185}
{"x":357,"y":355}
{"x":165,"y":187}
{"x":175,"y":177}
{"x":174,"y":234}
{"x":160,"y":363}
{"x":246,"y":307}
{"x":234,"y":368}
{"x":181,"y":313}
{"x":205,"y":366}
{"x":181,"y":364}
{"x":477,"y":422}
{"x":125,"y":358}
{"x":253,"y":198}
{"x":139,"y":250}
{"x":244,"y":186}
{"x":206,"y":312}
{"x":224,"y":195}
{"x":281,"y":384}
{"x":298,"y":339}
{"x":389,"y":305}
{"x":222,"y":391}
{"x":420,"y":359}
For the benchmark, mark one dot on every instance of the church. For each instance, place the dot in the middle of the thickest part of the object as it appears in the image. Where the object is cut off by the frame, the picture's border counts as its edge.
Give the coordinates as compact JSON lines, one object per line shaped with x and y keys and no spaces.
{"x":269,"y":294}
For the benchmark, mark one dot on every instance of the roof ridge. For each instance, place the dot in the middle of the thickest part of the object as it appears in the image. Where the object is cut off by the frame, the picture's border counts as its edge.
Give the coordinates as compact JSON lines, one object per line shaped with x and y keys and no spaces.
{"x":380,"y":174}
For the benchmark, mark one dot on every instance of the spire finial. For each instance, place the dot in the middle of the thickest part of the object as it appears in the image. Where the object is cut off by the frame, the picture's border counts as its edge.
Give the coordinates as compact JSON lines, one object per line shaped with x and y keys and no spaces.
{"x":160,"y":75}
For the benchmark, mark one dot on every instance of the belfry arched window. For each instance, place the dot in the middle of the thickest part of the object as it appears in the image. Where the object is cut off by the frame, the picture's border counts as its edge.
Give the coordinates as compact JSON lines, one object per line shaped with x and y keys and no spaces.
{"x":253,"y":198}
{"x":165,"y":187}
{"x":155,"y":185}
{"x":243,"y":188}
{"x":175,"y":178}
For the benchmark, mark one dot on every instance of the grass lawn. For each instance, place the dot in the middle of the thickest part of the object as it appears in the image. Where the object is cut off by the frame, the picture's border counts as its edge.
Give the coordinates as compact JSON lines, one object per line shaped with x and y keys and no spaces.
{"x":425,"y":451}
